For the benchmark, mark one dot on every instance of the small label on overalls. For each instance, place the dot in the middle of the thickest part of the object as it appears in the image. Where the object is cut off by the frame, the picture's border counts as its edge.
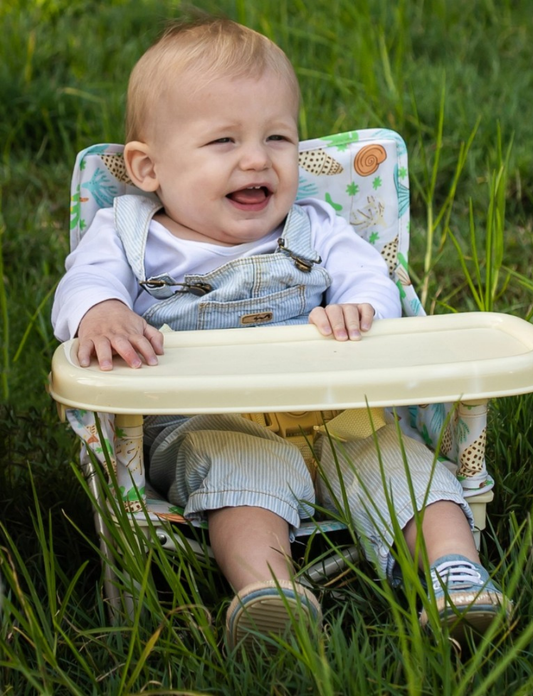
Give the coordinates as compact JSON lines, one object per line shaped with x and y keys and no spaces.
{"x":261,"y":318}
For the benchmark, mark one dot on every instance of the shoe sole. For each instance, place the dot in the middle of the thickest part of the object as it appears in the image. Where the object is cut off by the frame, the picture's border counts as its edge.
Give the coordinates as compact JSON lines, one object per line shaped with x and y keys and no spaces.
{"x":476,"y":612}
{"x":268,"y":608}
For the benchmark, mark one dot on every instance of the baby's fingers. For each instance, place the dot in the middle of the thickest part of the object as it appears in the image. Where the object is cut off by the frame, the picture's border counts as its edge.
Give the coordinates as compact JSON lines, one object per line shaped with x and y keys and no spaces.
{"x":344,"y":321}
{"x":156,"y":339}
{"x":366,"y":314}
{"x":86,"y":351}
{"x":330,"y":320}
{"x":148,"y":347}
{"x":319,"y":318}
{"x":99,"y":347}
{"x":342,"y":329}
{"x":357,"y":318}
{"x":104,"y":348}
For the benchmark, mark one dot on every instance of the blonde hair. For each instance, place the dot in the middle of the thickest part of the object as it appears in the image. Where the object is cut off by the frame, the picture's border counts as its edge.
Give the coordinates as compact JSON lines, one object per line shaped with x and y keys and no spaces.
{"x":206,"y":49}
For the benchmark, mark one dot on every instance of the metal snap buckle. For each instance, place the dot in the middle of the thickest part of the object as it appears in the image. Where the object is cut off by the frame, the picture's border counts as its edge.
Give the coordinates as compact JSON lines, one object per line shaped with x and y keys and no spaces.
{"x":197,"y":289}
{"x":300,"y":262}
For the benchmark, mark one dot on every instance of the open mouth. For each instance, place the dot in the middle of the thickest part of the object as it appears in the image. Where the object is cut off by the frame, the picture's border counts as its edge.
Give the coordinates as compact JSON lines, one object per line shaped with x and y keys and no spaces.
{"x":251,"y":195}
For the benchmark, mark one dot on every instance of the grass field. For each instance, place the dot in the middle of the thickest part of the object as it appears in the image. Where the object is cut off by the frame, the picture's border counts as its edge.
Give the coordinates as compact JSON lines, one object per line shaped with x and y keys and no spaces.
{"x":455,"y":80}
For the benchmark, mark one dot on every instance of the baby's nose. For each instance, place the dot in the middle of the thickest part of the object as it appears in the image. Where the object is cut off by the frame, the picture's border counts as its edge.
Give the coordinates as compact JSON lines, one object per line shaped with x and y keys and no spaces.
{"x":255,"y":156}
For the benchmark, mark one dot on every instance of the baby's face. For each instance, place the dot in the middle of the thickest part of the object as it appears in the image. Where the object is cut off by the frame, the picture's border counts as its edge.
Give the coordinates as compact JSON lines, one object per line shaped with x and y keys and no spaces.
{"x":226,"y":157}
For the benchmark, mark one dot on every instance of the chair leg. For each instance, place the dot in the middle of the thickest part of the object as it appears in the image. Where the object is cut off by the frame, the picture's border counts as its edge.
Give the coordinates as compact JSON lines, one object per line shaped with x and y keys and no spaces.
{"x":478,"y":505}
{"x":106,"y":543}
{"x":323,"y":569}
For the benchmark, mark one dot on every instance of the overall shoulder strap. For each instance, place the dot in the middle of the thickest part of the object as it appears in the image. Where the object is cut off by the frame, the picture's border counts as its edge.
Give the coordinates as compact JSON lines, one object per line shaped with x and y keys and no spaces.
{"x":296,"y":237}
{"x":133,"y":215}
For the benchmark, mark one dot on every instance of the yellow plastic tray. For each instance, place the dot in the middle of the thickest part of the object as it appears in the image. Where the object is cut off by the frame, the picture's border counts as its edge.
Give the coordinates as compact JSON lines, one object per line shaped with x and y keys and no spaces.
{"x":292,"y":368}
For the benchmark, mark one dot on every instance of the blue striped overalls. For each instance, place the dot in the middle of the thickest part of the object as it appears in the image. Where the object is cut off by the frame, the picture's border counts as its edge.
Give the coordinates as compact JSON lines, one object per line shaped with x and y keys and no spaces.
{"x":213,"y":461}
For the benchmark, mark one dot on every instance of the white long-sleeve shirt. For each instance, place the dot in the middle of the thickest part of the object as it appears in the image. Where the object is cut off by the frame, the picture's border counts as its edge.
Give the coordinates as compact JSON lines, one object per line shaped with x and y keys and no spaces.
{"x":98,"y":270}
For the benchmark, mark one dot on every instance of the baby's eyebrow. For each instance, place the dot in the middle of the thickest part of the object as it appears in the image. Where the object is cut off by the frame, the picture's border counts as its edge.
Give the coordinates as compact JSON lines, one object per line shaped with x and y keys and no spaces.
{"x":222,"y":125}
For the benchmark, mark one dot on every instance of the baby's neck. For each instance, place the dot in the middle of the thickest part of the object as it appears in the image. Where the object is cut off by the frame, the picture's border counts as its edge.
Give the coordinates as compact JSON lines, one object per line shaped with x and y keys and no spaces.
{"x":183,"y":232}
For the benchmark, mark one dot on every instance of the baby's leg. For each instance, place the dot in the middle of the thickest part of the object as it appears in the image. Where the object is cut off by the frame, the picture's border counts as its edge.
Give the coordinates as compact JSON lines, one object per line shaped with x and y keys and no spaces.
{"x":250,"y":544}
{"x":384,"y":495}
{"x":249,"y":483}
{"x":464,"y":592}
{"x":446,"y":530}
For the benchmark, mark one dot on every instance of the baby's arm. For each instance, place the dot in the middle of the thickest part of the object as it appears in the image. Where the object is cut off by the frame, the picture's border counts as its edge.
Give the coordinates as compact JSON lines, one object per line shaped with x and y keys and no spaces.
{"x":344,"y":321}
{"x":109,"y":328}
{"x":361,"y":290}
{"x":94,"y":298}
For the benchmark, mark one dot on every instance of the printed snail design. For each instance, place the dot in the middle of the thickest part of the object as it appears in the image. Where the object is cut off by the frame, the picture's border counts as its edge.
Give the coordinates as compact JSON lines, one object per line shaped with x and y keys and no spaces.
{"x":368,"y":159}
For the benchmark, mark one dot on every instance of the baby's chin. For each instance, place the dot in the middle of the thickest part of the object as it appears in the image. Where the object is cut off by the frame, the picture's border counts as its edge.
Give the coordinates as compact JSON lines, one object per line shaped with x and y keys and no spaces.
{"x":244,"y":234}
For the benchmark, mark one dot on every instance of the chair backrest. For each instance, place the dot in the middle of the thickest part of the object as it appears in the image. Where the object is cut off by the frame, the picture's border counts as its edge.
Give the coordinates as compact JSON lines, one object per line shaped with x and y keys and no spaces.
{"x":362,"y":174}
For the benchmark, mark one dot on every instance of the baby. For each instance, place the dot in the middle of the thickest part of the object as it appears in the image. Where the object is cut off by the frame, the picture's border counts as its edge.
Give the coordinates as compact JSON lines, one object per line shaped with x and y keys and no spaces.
{"x":221,"y":242}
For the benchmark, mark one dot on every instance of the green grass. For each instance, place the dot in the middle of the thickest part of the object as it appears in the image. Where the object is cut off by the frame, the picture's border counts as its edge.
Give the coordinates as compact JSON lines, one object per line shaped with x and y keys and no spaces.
{"x":455,"y":80}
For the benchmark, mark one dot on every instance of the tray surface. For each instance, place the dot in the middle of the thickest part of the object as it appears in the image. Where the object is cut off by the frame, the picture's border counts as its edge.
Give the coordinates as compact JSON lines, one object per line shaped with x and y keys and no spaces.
{"x":412,"y":360}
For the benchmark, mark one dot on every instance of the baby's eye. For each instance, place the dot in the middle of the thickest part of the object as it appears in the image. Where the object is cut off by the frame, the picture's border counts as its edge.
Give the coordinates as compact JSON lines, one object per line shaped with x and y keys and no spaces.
{"x":221,"y":141}
{"x":277,"y":137}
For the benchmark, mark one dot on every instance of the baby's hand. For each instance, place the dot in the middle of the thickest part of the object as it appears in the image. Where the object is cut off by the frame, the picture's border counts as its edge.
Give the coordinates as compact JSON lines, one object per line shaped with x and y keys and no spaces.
{"x":344,"y":321}
{"x":112,"y":328}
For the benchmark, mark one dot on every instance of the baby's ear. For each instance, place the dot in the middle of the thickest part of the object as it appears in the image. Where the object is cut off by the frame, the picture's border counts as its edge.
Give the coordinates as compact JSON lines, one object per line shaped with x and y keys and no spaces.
{"x":140,"y":165}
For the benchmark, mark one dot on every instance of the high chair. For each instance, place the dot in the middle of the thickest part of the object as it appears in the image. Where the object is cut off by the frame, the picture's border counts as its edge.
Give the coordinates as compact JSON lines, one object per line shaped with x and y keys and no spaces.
{"x":437,"y":372}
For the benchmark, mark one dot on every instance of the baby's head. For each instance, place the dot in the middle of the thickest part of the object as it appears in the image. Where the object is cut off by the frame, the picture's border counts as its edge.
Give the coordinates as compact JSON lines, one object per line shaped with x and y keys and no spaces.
{"x":200,"y":53}
{"x":212,"y":128}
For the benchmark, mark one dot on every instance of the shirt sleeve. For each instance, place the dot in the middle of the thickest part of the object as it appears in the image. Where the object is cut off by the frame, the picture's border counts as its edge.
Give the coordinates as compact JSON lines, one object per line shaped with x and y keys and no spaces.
{"x":357,"y":270}
{"x":97,"y":270}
